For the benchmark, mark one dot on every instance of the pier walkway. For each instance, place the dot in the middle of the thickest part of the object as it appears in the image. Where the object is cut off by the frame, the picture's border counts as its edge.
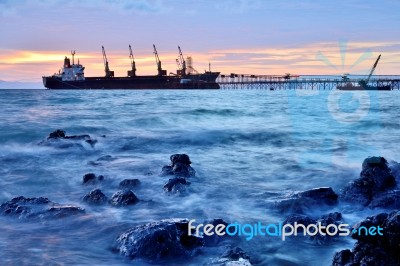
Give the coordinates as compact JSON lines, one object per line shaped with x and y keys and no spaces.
{"x":304,"y":82}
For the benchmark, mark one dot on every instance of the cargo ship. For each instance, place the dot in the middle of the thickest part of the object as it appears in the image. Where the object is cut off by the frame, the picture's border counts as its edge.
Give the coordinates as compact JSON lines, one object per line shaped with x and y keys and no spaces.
{"x":363,"y":84}
{"x":72,"y":76}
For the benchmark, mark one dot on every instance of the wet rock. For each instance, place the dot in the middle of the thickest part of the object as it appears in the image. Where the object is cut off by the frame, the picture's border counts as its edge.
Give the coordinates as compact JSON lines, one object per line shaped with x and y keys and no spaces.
{"x":374,"y":249}
{"x":180,"y":166}
{"x":129,"y":183}
{"x":344,"y":257}
{"x":234,"y":257}
{"x":57,"y":134}
{"x":325,"y":220}
{"x":166,"y":170}
{"x":180,"y":158}
{"x":95,"y":196}
{"x":158,"y":241}
{"x":375,"y":178}
{"x":389,"y":200}
{"x":395,"y":167}
{"x":309,"y":199}
{"x":37,"y":208}
{"x":299,"y":219}
{"x":123,"y":198}
{"x":176,"y":185}
{"x":61,"y":135}
{"x":91,"y":178}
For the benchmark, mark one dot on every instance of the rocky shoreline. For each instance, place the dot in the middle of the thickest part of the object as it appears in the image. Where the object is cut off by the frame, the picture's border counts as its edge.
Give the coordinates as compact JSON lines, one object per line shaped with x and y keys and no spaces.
{"x":165,"y":241}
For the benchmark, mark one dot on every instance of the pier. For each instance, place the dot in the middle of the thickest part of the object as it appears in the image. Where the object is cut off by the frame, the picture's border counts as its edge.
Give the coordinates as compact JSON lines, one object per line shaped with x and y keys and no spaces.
{"x":301,"y":82}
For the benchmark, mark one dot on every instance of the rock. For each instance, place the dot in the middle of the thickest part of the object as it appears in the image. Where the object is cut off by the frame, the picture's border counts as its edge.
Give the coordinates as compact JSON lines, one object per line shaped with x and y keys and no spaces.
{"x":389,"y":200}
{"x":299,"y":219}
{"x":180,"y":158}
{"x":95,"y":196}
{"x":176,"y":185}
{"x":91,"y":178}
{"x":306,"y":200}
{"x":344,"y":257}
{"x":375,"y":178}
{"x":166,"y":170}
{"x":123,"y":198}
{"x":180,"y":166}
{"x":129,"y":183}
{"x":61,"y":135}
{"x":57,"y":134}
{"x":37,"y":208}
{"x":395,"y":167}
{"x":325,"y":220}
{"x":234,"y":257}
{"x":378,"y":249}
{"x":158,"y":241}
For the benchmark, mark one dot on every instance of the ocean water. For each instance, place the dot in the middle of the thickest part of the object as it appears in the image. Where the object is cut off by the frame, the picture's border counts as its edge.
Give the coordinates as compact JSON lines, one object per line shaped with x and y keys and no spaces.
{"x":247,"y":147}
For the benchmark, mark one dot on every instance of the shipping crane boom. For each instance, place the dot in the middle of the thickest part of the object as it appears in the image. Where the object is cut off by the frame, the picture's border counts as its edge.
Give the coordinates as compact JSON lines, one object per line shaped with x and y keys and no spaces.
{"x":364,"y":83}
{"x":182,"y":63}
{"x":160,"y":71}
{"x":106,"y":68}
{"x":373,"y":69}
{"x":132,"y":72}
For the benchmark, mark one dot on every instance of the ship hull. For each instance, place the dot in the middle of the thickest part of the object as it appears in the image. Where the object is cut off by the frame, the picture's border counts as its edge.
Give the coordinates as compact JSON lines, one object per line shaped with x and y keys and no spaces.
{"x":198,"y":81}
{"x":364,"y":88}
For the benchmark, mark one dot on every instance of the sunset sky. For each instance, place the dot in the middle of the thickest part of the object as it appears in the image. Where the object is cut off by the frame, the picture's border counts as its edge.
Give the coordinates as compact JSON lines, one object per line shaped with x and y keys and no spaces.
{"x":243,"y":36}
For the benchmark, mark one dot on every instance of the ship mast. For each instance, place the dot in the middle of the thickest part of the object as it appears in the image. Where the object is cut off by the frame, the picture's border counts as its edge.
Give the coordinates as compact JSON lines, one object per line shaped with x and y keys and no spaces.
{"x":132,"y":73}
{"x":109,"y":73}
{"x":73,"y":55}
{"x":160,"y":71}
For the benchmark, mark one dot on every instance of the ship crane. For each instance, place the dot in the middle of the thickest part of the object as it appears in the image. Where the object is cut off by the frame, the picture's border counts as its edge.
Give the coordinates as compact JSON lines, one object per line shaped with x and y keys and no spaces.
{"x":132,"y":73}
{"x":364,"y":83}
{"x":178,"y":63}
{"x":109,"y":73}
{"x":161,"y":72}
{"x":182,"y":63}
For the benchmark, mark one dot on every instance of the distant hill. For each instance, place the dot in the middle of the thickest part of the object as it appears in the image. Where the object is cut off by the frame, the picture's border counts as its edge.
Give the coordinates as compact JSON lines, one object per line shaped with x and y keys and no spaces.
{"x":20,"y":85}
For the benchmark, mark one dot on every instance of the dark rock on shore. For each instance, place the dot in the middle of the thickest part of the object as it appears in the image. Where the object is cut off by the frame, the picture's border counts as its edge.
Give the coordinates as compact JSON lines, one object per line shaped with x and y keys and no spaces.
{"x":180,"y":166}
{"x":158,"y":241}
{"x":129,"y":183}
{"x":95,"y":196}
{"x":303,"y":201}
{"x":123,"y":198}
{"x":38,"y":208}
{"x":176,"y":185}
{"x":325,"y":220}
{"x":235,"y":256}
{"x":375,"y":179}
{"x":373,"y":249}
{"x":389,"y":200}
{"x":300,"y":219}
{"x":91,"y":178}
{"x":60,"y":135}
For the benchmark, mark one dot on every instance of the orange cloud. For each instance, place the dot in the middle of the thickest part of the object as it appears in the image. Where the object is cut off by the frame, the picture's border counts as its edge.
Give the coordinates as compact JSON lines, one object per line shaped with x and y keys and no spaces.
{"x":31,"y":65}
